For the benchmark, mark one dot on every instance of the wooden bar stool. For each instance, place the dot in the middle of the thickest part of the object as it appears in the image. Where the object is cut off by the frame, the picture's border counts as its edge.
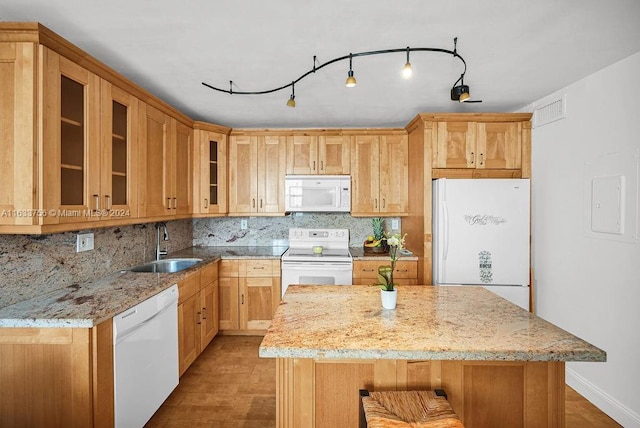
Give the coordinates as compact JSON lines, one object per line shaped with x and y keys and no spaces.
{"x":415,"y":409}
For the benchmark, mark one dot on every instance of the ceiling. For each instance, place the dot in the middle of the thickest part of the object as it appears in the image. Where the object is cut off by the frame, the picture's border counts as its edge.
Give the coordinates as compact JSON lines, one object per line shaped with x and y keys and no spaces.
{"x":516,"y":52}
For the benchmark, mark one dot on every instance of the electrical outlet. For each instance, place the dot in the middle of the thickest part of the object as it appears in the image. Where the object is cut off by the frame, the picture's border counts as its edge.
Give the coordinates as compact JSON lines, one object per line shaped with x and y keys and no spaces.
{"x":243,"y":224}
{"x":84,"y":242}
{"x":395,"y":224}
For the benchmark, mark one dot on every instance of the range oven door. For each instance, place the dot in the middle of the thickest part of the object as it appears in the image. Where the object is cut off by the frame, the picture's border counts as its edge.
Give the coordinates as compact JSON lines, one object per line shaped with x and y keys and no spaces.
{"x":313,"y":273}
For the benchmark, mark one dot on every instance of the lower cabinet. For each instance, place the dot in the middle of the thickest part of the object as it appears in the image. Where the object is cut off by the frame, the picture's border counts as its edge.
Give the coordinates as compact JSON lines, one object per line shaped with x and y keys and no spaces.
{"x":249,"y":295}
{"x":57,"y":377}
{"x":365,"y":272}
{"x":197,"y":313}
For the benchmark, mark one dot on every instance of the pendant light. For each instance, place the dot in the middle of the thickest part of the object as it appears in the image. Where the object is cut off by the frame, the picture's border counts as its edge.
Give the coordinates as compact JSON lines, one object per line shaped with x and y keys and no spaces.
{"x":351,"y":81}
{"x":407,"y":70}
{"x":292,"y":99}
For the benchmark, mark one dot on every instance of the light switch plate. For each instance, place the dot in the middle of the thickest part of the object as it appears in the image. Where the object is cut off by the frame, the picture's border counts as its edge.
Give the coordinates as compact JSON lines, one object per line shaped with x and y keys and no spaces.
{"x":243,"y":224}
{"x":84,"y":242}
{"x":395,"y":224}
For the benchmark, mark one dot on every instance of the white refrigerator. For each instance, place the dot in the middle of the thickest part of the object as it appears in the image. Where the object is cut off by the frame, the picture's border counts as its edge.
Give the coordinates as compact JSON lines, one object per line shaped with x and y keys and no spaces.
{"x":481,"y":234}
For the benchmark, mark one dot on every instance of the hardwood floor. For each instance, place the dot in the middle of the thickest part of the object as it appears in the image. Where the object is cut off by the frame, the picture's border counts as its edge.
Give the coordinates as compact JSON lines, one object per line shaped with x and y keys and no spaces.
{"x":230,"y":386}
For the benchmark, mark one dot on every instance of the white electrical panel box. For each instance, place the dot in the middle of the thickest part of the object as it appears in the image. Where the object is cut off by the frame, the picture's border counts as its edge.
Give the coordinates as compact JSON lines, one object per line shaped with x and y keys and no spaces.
{"x":607,"y":204}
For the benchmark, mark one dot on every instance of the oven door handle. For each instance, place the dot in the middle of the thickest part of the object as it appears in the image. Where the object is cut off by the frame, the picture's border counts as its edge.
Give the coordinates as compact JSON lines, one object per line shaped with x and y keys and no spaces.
{"x":310,"y":265}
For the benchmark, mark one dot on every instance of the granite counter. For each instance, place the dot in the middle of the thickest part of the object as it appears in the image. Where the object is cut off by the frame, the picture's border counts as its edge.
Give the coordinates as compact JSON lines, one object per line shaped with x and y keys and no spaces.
{"x":87,"y":304}
{"x":429,"y":323}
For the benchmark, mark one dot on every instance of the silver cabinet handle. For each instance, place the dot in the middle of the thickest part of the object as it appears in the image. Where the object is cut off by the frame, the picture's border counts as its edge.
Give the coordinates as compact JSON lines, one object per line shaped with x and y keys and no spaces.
{"x":175,"y":203}
{"x":314,"y":165}
{"x":199,"y":318}
{"x":253,"y":203}
{"x":168,"y":203}
{"x":206,"y":203}
{"x":260,"y":203}
{"x":321,"y":165}
{"x":96,"y":199}
{"x":473,"y":158}
{"x":204,"y":313}
{"x":107,"y":202}
{"x":242,"y":299}
{"x":481,"y":158}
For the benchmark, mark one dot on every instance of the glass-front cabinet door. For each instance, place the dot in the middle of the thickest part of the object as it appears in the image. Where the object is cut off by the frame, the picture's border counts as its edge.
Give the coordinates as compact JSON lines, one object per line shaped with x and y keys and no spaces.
{"x":69,"y":141}
{"x":118,"y":181}
{"x":210,"y":157}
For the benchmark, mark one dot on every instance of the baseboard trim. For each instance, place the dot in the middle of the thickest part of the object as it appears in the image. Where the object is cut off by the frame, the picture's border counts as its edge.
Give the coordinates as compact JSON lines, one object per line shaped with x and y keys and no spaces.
{"x":616,"y":410}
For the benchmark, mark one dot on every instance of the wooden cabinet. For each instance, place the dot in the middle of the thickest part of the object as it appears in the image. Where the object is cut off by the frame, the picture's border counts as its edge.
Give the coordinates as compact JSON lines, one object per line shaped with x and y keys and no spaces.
{"x":379,"y":175}
{"x":57,"y":376}
{"x":249,"y":294}
{"x":166,"y":162}
{"x":326,"y":154}
{"x":478,"y":145}
{"x":257,"y":167}
{"x":197,"y":313}
{"x":210,"y":170}
{"x":365,"y":272}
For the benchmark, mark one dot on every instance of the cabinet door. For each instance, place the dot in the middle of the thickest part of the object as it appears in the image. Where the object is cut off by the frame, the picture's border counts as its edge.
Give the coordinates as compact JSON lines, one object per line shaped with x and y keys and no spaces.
{"x":211,"y":157}
{"x":155,"y":157}
{"x":394,"y":186}
{"x":71,"y":149}
{"x":189,"y":322}
{"x":119,"y":129}
{"x":243,"y":174}
{"x":183,"y":173}
{"x":228,"y":303}
{"x":271,"y":171}
{"x":258,"y":296}
{"x":210,"y":323}
{"x":302,"y":155}
{"x":17,"y":132}
{"x":333,"y":155}
{"x":499,"y":145}
{"x":365,"y":173}
{"x":456,"y":145}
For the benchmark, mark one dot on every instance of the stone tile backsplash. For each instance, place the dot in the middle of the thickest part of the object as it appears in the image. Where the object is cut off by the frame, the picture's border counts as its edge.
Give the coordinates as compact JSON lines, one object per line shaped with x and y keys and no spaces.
{"x":268,"y":231}
{"x":36,"y":264}
{"x":31,"y":265}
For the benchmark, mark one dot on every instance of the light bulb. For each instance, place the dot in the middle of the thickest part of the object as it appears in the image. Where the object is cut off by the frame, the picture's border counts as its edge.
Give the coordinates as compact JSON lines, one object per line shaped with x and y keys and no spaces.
{"x":351,"y":81}
{"x":407,"y":71}
{"x":291,"y":102}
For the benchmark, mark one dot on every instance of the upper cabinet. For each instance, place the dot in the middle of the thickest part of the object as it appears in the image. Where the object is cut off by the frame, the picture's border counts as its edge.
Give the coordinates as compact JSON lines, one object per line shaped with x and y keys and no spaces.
{"x":379,"y":184}
{"x":325,"y":154}
{"x":210,"y":170}
{"x":478,"y":145}
{"x":257,"y":165}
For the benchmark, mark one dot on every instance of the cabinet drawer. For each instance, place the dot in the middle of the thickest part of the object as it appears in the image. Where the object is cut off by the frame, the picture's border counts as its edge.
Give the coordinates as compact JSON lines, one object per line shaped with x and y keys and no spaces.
{"x":209,"y":273}
{"x":369,"y":269}
{"x":228,"y":268}
{"x":188,"y":287}
{"x":259,"y":268}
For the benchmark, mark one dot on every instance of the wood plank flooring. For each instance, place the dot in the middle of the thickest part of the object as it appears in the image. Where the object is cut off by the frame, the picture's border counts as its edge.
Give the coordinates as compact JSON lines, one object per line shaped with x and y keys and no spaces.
{"x":230,"y":386}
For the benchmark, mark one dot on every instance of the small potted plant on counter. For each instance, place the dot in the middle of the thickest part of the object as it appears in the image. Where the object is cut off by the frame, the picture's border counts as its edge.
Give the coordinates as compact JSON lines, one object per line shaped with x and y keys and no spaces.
{"x":377,"y":242}
{"x":388,"y":291}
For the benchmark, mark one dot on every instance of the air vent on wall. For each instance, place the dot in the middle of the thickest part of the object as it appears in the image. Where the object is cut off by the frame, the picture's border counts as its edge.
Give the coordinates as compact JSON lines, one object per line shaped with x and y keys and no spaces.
{"x":552,"y":109}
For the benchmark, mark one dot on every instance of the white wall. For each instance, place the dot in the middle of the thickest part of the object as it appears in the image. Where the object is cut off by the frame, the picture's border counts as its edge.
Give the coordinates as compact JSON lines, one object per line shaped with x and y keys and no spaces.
{"x":587,"y":285}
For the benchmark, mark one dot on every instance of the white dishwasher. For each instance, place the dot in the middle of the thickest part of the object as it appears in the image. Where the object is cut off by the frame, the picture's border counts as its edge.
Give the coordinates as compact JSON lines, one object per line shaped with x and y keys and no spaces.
{"x":145,"y":349}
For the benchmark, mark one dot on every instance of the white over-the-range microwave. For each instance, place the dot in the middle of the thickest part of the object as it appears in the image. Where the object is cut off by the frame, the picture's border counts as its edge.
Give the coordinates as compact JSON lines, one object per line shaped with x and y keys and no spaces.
{"x":317,"y":193}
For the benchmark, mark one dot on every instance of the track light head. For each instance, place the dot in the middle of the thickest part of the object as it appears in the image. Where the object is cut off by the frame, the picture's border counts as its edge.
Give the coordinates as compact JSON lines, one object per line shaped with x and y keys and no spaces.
{"x":460,"y":93}
{"x":407,"y":71}
{"x":351,"y":81}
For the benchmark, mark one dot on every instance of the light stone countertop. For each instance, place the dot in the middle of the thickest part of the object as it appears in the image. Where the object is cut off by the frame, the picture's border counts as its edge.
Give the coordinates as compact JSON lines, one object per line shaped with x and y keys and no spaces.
{"x":429,"y":323}
{"x":86,"y":305}
{"x":358,"y":254}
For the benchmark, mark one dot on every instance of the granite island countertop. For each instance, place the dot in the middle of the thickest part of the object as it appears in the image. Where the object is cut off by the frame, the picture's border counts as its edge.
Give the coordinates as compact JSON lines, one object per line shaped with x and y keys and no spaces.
{"x":87,"y":304}
{"x":429,"y":323}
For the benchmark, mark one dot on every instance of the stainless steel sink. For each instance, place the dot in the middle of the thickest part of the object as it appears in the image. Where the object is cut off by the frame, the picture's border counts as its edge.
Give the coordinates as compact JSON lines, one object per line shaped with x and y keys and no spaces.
{"x":166,"y":265}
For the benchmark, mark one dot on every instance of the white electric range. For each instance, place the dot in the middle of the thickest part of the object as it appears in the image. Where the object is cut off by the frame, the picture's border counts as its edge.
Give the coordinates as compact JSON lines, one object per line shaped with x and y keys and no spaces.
{"x":330,"y":264}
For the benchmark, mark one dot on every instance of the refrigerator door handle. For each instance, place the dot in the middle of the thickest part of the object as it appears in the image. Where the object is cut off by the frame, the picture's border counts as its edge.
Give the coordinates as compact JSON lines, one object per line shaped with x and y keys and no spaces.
{"x":445,"y":224}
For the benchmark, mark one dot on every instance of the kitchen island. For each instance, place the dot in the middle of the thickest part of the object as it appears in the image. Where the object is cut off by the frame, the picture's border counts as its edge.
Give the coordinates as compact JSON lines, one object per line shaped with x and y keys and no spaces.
{"x":499,"y":364}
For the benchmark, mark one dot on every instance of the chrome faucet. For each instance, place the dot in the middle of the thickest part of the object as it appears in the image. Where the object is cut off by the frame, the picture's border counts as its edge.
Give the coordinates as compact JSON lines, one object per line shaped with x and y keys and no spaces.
{"x":165,"y":237}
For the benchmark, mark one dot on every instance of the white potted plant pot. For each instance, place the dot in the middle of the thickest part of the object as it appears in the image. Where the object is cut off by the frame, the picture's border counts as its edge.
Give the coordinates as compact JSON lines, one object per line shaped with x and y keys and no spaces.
{"x":389,"y":298}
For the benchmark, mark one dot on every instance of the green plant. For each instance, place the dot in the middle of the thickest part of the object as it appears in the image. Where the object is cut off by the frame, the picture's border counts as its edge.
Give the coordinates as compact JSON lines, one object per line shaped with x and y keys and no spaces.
{"x":385,"y":272}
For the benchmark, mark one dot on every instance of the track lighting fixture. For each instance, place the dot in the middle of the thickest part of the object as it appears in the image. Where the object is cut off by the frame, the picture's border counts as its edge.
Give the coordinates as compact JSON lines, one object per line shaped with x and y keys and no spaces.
{"x":458,"y":92}
{"x":292,"y":99}
{"x":351,"y":81}
{"x":407,"y":71}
